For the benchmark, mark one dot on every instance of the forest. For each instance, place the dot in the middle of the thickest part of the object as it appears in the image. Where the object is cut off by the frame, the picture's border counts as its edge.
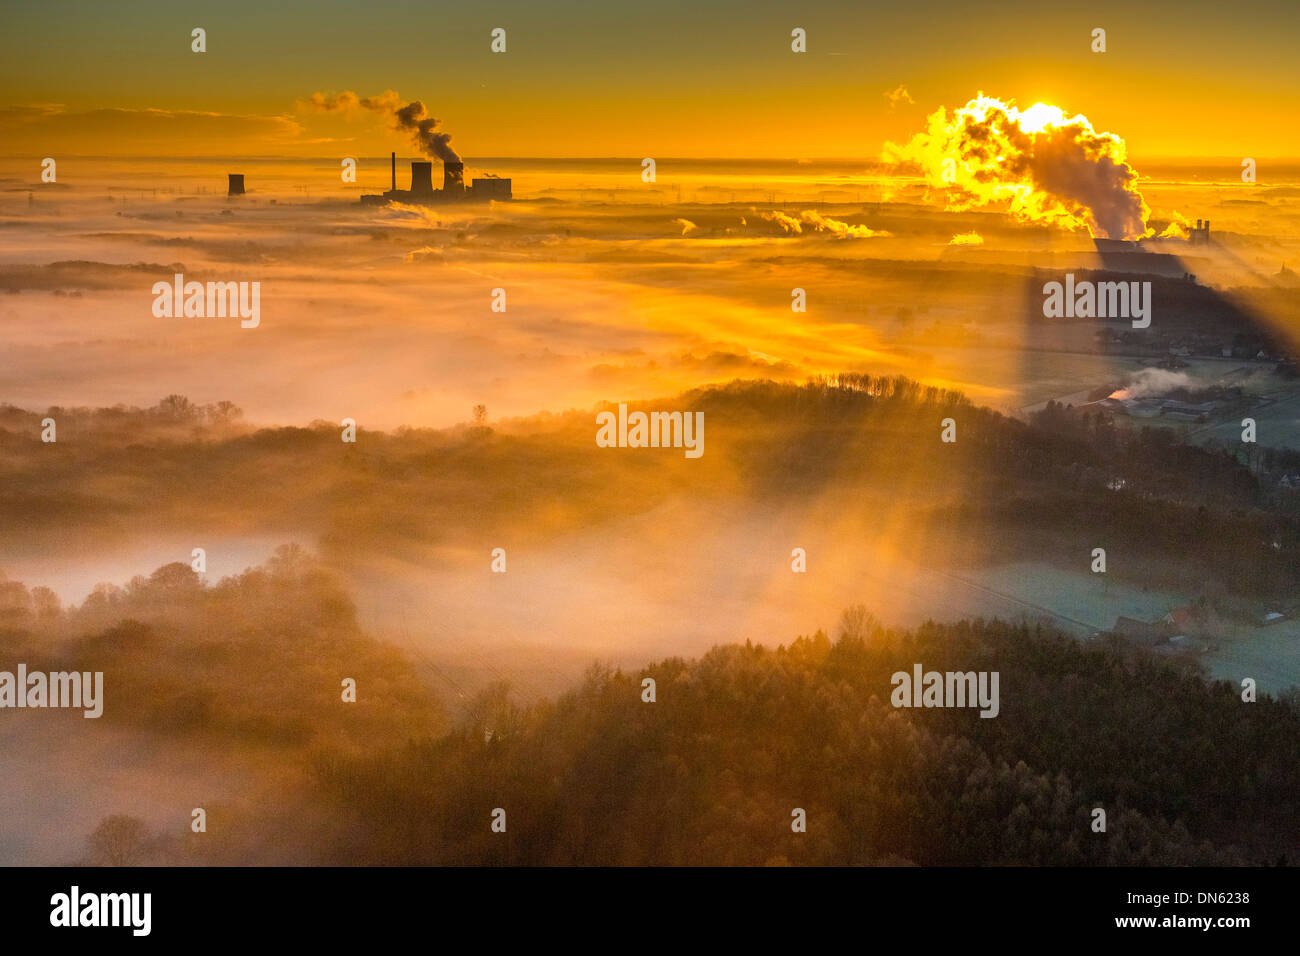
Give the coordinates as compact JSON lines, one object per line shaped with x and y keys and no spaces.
{"x":1052,"y":487}
{"x":709,"y":772}
{"x":247,"y":669}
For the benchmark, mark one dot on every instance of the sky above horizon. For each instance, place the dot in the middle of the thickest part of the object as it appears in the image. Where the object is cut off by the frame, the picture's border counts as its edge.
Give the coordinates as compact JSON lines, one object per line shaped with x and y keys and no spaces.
{"x":668,"y":78}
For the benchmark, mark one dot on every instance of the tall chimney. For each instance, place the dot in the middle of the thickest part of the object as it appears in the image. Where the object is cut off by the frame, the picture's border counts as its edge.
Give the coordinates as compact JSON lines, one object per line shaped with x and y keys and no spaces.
{"x":236,"y":184}
{"x":394,"y":172}
{"x":453,"y":177}
{"x":422,"y":179}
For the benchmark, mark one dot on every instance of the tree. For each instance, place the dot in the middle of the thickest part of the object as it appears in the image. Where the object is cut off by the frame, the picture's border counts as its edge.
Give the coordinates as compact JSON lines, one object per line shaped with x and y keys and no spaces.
{"x":224,"y":412}
{"x":857,"y":623}
{"x":46,"y":603}
{"x":177,"y":407}
{"x":119,"y":840}
{"x":175,"y":576}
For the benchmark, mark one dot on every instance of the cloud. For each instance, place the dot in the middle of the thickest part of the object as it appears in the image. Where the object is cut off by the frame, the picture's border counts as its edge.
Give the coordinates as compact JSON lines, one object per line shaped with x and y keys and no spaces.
{"x":408,"y":214}
{"x":789,"y":223}
{"x":1179,"y":227}
{"x":898,"y":95}
{"x":424,"y":254}
{"x":966,"y":239}
{"x":720,"y":362}
{"x":1152,"y":383}
{"x":809,"y":217}
{"x":347,"y":101}
{"x":1043,"y":165}
{"x":52,"y":129}
{"x":412,"y":118}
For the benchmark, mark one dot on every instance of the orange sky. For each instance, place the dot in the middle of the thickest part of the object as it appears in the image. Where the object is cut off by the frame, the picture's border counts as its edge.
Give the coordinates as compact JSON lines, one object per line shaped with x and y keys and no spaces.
{"x":668,"y":78}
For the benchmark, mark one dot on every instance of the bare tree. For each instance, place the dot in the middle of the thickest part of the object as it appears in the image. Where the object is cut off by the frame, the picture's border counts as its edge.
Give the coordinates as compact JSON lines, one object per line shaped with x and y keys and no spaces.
{"x":857,"y":622}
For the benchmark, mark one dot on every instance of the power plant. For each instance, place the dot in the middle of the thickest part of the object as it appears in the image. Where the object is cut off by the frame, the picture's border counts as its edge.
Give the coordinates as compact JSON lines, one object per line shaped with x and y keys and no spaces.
{"x":1199,"y":235}
{"x":236,"y":184}
{"x":453,"y":186}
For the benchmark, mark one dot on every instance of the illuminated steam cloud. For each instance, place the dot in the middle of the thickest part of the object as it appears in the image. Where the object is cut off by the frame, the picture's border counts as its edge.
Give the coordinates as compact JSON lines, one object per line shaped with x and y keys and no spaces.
{"x":1152,"y":383}
{"x":412,"y":118}
{"x":1179,"y":227}
{"x":841,"y":230}
{"x":1043,"y":165}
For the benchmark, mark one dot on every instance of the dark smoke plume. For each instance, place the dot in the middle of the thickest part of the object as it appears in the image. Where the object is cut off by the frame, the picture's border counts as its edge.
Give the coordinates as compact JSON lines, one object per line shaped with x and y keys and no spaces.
{"x":412,"y":118}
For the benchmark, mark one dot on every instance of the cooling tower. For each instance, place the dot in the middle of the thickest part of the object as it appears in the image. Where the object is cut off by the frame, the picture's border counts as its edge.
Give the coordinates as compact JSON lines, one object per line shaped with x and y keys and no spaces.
{"x":236,"y":184}
{"x":421,"y":179}
{"x":453,"y":177}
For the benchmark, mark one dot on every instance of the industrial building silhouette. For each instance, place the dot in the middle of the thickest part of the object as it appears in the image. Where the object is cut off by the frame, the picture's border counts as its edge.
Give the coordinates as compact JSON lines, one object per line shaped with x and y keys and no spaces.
{"x":453,"y":186}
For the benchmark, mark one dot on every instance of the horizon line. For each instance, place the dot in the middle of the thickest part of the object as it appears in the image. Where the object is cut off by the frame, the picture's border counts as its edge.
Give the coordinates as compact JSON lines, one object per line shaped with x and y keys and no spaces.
{"x":1154,"y":158}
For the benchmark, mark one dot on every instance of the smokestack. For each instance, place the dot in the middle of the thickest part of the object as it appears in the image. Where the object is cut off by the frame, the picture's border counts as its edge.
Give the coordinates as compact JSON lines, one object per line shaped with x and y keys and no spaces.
{"x":422,"y":179}
{"x":394,"y":172}
{"x":236,"y":184}
{"x":453,"y":177}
